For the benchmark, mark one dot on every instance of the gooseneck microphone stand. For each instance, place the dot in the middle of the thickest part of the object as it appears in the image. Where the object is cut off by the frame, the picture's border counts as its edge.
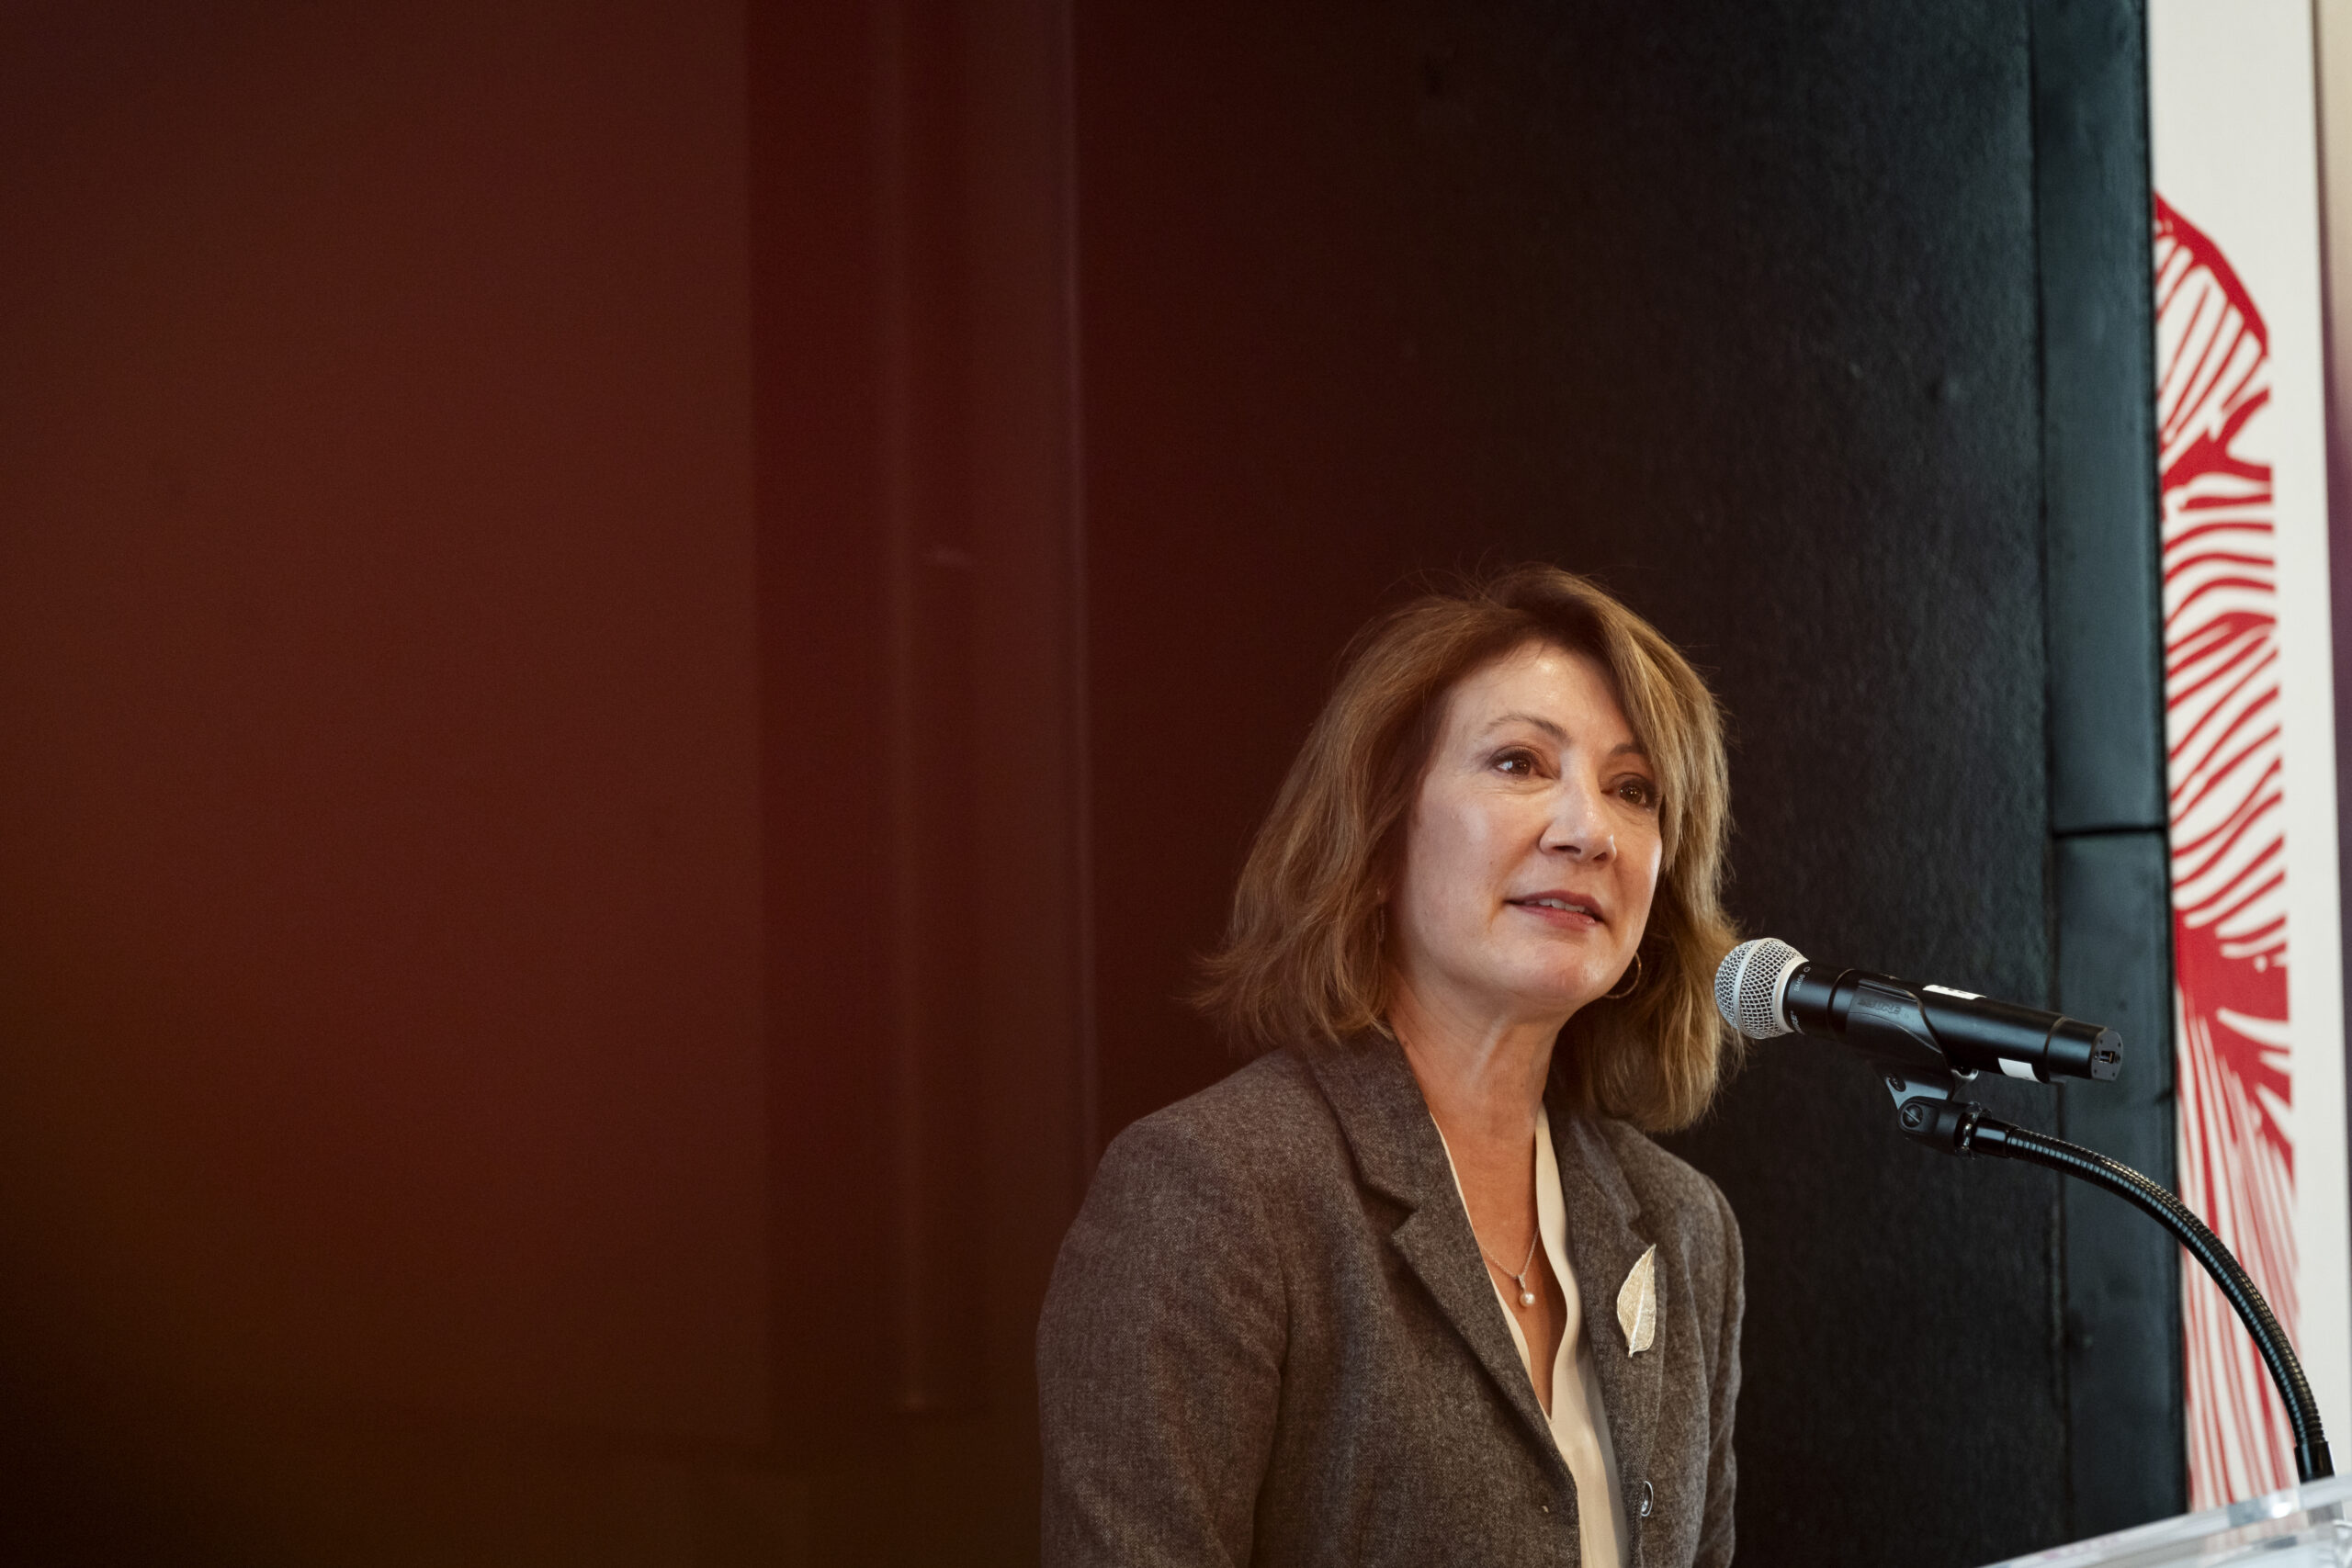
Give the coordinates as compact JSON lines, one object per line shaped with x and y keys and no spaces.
{"x":1922,"y":1079}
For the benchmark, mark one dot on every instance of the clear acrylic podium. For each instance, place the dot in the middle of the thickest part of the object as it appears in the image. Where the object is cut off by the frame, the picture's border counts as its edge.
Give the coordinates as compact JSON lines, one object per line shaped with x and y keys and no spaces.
{"x":2304,"y":1526}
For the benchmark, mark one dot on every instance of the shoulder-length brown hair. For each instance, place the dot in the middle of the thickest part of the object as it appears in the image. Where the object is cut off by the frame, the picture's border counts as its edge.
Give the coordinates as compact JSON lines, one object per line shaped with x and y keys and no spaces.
{"x":1303,"y":957}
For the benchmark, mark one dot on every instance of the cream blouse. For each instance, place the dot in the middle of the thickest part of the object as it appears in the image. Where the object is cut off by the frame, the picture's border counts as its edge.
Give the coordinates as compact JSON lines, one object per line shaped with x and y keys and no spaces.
{"x":1579,"y":1423}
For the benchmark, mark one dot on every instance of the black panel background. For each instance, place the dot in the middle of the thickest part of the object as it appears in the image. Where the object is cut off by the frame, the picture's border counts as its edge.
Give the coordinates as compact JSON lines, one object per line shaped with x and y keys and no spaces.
{"x":2113,"y":920}
{"x":1735,"y":305}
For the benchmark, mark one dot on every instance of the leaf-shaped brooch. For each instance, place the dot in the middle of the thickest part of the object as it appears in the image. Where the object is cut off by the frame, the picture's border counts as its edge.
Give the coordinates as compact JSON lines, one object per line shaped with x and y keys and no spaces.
{"x":1637,"y":1304}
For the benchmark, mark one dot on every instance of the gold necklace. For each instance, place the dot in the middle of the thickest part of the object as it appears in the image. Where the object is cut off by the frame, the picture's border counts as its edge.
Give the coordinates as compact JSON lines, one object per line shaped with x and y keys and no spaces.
{"x":1526,"y":1296}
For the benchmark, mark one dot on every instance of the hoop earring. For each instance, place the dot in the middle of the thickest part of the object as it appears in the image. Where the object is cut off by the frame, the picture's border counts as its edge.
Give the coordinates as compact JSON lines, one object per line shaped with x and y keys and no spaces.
{"x":1631,"y":986}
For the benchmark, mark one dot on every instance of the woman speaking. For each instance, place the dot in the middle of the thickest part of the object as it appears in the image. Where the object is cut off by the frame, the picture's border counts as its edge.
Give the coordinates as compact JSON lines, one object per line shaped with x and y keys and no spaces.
{"x":1413,"y":1287}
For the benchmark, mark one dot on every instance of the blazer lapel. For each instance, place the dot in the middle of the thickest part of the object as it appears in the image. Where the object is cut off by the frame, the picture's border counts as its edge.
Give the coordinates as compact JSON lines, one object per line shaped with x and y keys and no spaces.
{"x":1387,"y":1123}
{"x":1606,"y":1239}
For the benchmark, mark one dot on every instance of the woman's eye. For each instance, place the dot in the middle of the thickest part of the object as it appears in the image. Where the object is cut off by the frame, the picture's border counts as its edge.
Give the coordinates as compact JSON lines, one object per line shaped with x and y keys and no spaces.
{"x":1518,"y":764}
{"x":1639,"y":792}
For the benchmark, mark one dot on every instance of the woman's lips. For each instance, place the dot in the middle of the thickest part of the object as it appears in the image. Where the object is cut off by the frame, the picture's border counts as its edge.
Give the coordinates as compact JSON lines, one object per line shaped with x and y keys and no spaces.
{"x":1569,"y":909}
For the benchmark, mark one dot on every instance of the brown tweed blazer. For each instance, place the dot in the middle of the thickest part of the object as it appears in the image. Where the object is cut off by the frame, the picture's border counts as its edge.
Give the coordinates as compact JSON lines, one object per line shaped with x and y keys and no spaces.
{"x":1270,"y":1340}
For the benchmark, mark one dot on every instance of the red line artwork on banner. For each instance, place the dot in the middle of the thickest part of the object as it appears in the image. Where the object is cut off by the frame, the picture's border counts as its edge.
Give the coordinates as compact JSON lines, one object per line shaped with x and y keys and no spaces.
{"x":2229,"y":849}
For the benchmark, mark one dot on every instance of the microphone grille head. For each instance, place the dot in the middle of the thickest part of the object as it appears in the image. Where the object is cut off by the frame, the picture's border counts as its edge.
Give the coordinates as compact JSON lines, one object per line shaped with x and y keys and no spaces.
{"x":1748,"y":985}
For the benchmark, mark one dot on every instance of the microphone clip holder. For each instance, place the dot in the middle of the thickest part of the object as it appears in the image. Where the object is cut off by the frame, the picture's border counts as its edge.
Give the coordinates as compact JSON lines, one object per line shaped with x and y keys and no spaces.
{"x":1889,"y":1026}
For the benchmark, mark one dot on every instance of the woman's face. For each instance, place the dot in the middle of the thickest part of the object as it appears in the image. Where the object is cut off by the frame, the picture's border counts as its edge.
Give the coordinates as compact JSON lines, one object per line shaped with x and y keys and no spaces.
{"x":1533,"y":849}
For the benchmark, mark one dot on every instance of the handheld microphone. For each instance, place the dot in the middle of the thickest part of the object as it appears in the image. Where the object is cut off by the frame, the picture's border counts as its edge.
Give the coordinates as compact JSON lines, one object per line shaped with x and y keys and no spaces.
{"x":1920,"y":1038}
{"x":1766,"y":988}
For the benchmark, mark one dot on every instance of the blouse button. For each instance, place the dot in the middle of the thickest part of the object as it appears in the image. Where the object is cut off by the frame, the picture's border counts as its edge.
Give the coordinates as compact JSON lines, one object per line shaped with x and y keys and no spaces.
{"x":1649,"y":1499}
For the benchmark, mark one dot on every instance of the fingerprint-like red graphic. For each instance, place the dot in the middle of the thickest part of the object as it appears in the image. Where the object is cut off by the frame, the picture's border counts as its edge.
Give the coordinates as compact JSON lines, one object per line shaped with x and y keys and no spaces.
{"x":2229,"y":847}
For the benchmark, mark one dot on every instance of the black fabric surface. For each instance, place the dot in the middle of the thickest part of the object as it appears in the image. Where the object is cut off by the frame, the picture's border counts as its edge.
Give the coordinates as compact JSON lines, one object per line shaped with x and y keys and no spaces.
{"x":1736,"y":306}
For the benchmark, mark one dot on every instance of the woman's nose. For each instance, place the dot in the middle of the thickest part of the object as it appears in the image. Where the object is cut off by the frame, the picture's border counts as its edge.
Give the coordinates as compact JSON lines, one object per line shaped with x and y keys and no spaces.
{"x":1578,"y":826}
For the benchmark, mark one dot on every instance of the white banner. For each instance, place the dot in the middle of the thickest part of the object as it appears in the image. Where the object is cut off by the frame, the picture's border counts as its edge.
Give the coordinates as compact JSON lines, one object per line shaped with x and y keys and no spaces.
{"x":2241,"y":423}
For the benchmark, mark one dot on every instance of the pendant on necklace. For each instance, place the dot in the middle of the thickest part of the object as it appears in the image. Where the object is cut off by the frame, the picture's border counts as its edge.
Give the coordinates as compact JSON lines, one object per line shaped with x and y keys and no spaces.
{"x":1526,"y":1296}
